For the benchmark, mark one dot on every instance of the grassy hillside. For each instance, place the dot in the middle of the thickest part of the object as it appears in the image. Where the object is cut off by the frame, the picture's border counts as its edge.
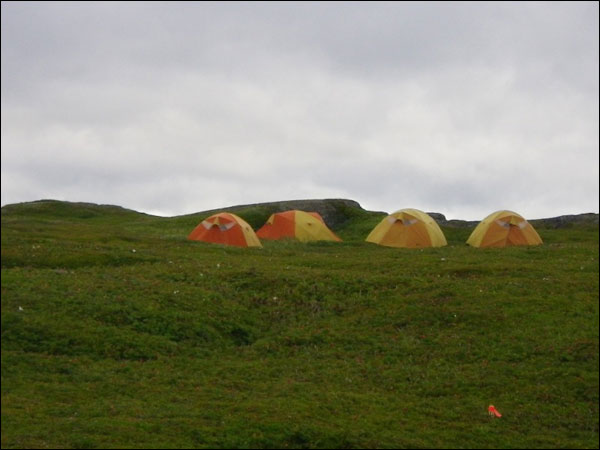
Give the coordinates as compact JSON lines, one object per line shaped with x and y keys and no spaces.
{"x":117,"y":332}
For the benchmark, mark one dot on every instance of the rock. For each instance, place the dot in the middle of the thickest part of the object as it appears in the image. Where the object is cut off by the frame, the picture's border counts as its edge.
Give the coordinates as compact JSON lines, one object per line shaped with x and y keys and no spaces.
{"x":438,"y":217}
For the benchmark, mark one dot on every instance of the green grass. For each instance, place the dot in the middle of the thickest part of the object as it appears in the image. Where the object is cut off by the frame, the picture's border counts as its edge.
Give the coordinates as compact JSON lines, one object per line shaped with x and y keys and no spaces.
{"x":117,"y":332}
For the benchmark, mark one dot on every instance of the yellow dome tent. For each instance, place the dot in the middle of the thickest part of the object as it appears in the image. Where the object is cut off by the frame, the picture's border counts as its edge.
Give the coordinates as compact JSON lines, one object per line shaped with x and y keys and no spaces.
{"x":227,"y":229}
{"x":408,"y":228}
{"x":295,"y":224}
{"x":504,"y":229}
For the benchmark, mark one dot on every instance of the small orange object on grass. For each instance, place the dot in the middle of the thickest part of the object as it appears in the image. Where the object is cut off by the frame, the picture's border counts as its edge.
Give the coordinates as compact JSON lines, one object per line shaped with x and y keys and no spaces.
{"x":492,"y":411}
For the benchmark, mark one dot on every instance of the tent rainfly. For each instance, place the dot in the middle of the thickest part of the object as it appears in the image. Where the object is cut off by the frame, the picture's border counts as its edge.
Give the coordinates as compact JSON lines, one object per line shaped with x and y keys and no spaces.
{"x":504,"y":229}
{"x":227,"y":229}
{"x":294,"y":224}
{"x":409,"y":228}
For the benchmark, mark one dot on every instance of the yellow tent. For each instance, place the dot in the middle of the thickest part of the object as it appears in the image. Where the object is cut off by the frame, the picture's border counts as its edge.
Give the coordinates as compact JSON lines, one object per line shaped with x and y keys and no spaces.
{"x":409,"y":228}
{"x":298,"y":225}
{"x":503,"y":229}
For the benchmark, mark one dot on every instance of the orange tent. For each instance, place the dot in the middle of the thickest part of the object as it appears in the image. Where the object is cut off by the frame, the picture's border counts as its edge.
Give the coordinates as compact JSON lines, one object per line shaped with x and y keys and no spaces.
{"x":294,"y":224}
{"x":504,"y":229}
{"x":227,"y":229}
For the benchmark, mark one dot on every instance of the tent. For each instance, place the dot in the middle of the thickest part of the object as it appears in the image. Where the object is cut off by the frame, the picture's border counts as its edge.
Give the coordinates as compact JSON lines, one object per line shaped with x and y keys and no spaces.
{"x":227,"y":229}
{"x":409,"y":228}
{"x":503,"y":229}
{"x":295,"y":224}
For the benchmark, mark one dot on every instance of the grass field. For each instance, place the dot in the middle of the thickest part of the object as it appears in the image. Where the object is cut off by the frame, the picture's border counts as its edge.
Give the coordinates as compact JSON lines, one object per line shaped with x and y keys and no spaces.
{"x":117,"y":332}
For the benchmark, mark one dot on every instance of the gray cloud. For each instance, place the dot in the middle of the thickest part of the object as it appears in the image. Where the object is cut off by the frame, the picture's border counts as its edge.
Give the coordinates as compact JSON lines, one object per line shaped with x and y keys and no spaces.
{"x":173,"y":108}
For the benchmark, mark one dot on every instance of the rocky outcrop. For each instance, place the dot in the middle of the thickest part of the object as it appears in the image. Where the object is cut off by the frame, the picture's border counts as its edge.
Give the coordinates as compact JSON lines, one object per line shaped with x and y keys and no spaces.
{"x":567,"y":221}
{"x":335,"y":212}
{"x":441,"y":220}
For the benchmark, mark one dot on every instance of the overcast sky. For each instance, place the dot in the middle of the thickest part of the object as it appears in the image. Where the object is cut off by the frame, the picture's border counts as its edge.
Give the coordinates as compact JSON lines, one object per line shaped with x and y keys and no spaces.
{"x":174,"y":108}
